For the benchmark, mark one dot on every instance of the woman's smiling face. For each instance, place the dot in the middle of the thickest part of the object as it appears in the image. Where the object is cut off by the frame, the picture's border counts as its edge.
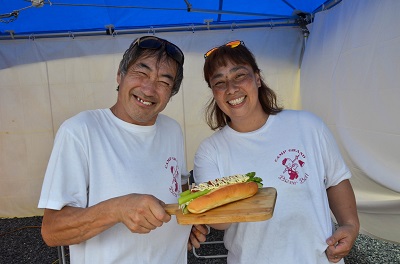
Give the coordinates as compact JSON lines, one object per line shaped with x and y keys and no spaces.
{"x":145,"y":90}
{"x":235,"y":90}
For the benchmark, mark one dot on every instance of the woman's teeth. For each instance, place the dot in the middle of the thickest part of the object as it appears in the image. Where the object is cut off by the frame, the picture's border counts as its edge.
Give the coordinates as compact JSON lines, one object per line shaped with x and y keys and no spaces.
{"x":144,"y":102}
{"x":236,"y":101}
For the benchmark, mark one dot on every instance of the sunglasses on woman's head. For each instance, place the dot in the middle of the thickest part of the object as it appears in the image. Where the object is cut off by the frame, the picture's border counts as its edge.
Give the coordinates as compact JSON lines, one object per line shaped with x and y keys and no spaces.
{"x":232,"y":44}
{"x":151,"y":42}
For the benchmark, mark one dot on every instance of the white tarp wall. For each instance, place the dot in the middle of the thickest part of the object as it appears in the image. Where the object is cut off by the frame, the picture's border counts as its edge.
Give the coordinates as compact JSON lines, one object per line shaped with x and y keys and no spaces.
{"x":350,"y":76}
{"x":45,"y":81}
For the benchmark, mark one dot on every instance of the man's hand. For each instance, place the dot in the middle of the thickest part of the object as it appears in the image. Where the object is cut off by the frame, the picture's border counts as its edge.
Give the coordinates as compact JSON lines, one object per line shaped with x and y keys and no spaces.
{"x":197,"y":235}
{"x":141,"y":213}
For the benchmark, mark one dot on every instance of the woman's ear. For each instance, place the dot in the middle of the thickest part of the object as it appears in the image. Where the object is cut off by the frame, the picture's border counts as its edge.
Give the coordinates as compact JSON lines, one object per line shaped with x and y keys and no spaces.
{"x":119,"y":77}
{"x":258,"y":79}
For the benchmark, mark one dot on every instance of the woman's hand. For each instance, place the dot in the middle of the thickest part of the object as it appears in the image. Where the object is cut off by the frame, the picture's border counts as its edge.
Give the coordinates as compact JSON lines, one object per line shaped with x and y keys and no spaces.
{"x":197,"y":235}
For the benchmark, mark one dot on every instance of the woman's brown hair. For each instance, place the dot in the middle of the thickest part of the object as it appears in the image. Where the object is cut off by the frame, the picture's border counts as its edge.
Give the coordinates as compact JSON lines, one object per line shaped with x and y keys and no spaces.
{"x":240,"y":55}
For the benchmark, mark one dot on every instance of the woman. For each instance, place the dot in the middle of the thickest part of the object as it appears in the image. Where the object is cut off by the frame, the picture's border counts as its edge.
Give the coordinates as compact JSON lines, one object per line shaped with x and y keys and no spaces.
{"x":292,"y":151}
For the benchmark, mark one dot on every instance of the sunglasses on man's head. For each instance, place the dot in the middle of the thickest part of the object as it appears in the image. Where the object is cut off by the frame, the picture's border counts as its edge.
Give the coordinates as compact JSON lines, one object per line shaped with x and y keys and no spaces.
{"x":151,"y":42}
{"x":232,"y":44}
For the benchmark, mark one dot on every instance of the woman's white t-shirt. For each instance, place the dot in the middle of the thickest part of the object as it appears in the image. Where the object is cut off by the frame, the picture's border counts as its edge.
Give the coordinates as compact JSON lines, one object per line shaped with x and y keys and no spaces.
{"x":295,"y":153}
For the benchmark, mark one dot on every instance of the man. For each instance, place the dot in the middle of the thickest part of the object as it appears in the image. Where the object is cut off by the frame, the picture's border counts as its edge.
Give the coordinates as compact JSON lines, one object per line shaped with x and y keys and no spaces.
{"x":111,"y":170}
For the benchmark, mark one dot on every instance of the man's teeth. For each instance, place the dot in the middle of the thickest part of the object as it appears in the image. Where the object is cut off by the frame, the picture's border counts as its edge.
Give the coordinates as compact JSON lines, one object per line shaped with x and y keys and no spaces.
{"x":144,"y":102}
{"x":236,"y":101}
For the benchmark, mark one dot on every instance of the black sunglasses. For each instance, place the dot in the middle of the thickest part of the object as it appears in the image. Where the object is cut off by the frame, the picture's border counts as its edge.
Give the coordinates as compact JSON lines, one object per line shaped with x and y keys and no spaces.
{"x":151,"y":42}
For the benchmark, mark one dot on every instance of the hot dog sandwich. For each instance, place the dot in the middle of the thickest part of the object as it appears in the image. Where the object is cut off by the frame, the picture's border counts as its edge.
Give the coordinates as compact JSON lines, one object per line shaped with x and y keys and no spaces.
{"x":211,"y":194}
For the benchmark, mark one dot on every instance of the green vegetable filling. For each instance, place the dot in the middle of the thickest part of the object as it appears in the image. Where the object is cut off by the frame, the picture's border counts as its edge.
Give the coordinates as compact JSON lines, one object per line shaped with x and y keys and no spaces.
{"x":187,"y":197}
{"x":253,"y":178}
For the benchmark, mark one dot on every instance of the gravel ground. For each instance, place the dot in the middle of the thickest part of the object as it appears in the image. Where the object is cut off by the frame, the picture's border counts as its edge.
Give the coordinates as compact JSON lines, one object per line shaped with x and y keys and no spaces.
{"x":21,"y":242}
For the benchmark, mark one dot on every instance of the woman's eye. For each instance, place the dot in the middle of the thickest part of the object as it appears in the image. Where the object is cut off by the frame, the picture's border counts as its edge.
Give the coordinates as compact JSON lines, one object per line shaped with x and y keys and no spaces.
{"x":219,"y":85}
{"x":240,"y":76}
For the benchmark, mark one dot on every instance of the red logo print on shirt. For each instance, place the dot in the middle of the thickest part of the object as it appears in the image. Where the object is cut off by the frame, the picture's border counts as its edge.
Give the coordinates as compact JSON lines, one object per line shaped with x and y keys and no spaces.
{"x":293,"y":162}
{"x":172,"y":165}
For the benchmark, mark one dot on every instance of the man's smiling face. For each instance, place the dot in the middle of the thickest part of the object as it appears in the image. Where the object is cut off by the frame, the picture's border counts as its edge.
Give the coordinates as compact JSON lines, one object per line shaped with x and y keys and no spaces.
{"x":144,"y":90}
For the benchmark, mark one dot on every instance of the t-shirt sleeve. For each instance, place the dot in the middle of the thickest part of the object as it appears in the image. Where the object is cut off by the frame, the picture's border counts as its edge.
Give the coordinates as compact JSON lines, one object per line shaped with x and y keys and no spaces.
{"x":66,"y":177}
{"x":205,"y":163}
{"x":335,"y":167}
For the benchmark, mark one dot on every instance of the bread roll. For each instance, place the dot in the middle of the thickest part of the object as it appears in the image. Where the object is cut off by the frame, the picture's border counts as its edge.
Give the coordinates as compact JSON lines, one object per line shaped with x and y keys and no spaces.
{"x":223,"y":195}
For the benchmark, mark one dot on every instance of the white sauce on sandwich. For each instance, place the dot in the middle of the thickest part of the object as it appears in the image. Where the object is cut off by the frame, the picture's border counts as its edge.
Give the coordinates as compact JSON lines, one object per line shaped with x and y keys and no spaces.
{"x":210,"y":185}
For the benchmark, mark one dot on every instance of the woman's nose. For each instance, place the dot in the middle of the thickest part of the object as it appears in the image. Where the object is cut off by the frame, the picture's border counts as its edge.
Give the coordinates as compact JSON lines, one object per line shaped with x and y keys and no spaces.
{"x":231,"y":86}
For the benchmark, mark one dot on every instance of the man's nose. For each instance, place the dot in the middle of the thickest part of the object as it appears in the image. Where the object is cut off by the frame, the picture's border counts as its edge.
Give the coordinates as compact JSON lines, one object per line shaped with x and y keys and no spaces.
{"x":149,"y":86}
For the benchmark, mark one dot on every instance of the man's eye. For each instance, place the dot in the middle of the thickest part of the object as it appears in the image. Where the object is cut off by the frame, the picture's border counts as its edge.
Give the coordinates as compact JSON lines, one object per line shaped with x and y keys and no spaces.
{"x":139,"y":74}
{"x":165,"y":84}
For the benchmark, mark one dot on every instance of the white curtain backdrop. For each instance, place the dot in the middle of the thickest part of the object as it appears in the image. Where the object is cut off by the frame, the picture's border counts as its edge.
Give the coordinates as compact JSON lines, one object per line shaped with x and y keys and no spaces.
{"x":45,"y":81}
{"x":350,"y":76}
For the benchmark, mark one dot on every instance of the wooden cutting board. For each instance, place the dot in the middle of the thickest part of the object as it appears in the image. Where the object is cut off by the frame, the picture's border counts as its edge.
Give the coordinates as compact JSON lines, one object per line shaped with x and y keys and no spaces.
{"x":259,"y":207}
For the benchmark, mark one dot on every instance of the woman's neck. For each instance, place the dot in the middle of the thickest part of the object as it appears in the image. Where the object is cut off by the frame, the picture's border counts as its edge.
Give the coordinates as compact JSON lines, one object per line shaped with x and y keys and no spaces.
{"x":247,"y":124}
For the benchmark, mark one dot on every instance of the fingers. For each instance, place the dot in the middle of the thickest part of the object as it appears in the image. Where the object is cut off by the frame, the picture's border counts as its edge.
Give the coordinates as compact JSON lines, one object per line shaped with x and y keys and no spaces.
{"x":194,"y":242}
{"x":142,"y":224}
{"x":158,"y":212}
{"x":189,"y":246}
{"x":201,"y":229}
{"x":340,"y":243}
{"x":342,"y":239}
{"x":333,"y":257}
{"x":197,"y":235}
{"x":336,"y":252}
{"x":143,"y":213}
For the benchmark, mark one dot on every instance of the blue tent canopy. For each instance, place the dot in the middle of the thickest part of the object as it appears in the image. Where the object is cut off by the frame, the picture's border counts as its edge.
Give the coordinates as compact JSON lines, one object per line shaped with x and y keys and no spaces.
{"x":22,"y":18}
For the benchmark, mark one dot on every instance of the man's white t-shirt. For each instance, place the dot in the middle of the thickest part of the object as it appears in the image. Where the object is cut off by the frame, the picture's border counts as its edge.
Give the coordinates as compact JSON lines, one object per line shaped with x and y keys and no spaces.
{"x":97,"y":156}
{"x":295,"y":153}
